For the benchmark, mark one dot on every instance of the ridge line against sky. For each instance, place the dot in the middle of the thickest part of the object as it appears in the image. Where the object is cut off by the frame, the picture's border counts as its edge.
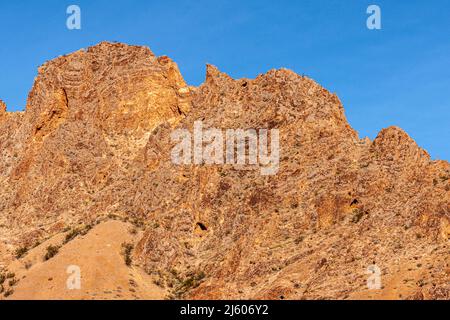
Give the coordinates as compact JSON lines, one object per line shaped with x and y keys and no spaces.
{"x":398,"y":75}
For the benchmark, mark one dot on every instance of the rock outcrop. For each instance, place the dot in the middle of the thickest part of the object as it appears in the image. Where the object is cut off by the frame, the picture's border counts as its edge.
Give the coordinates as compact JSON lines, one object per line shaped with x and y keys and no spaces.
{"x":2,"y":108}
{"x":94,"y":144}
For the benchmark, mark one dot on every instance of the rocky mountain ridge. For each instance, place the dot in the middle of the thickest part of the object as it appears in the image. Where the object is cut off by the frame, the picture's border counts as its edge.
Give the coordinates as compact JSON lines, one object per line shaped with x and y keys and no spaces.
{"x":94,"y":145}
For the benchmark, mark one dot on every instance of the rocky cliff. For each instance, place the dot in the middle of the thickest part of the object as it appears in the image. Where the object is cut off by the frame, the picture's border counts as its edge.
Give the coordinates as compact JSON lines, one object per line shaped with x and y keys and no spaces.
{"x":94,"y":145}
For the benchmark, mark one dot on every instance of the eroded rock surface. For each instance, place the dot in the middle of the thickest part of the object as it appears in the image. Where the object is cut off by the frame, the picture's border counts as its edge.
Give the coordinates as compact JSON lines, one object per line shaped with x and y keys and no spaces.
{"x":94,"y":143}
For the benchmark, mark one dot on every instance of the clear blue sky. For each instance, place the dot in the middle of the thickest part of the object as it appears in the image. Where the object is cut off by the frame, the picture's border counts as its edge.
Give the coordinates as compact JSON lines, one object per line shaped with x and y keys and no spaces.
{"x":397,"y":76}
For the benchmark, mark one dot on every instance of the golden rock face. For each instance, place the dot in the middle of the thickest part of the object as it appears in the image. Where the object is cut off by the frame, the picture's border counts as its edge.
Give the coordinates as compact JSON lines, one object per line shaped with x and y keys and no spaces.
{"x":94,"y":144}
{"x":119,"y":88}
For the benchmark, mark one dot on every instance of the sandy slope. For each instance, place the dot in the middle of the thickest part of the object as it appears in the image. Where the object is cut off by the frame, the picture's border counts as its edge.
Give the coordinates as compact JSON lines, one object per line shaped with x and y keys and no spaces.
{"x":104,"y":274}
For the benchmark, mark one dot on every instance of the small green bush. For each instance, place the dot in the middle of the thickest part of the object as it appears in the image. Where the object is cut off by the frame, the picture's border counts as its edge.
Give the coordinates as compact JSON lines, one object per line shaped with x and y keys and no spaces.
{"x":21,"y":252}
{"x":357,"y":215}
{"x":127,"y":248}
{"x":191,"y":282}
{"x":73,"y":233}
{"x":8,"y":293}
{"x":12,"y":282}
{"x":51,"y":252}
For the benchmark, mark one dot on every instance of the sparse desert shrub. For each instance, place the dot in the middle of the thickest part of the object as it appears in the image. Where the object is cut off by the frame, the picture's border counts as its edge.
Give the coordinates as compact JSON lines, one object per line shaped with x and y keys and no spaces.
{"x":12,"y":282}
{"x":8,"y":293}
{"x":112,"y":216}
{"x":73,"y":233}
{"x":51,"y":252}
{"x":159,"y":283}
{"x":138,"y":223}
{"x":36,"y":244}
{"x":299,"y":239}
{"x":28,"y":265}
{"x":87,"y":228}
{"x":127,"y":248}
{"x":10,"y":275}
{"x":357,"y":215}
{"x":21,"y":252}
{"x":192,"y":281}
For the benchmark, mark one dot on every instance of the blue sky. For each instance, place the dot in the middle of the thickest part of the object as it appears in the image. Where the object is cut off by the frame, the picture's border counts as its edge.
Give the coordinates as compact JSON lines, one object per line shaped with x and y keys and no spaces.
{"x":399,"y":75}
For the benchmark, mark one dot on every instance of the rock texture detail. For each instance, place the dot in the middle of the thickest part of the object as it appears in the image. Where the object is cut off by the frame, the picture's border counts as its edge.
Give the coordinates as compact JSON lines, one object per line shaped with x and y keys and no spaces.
{"x":94,"y":144}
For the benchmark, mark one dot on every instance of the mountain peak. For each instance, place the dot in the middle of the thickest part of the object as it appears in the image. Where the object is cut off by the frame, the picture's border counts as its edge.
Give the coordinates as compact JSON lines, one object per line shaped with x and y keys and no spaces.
{"x":394,"y":142}
{"x":118,"y":86}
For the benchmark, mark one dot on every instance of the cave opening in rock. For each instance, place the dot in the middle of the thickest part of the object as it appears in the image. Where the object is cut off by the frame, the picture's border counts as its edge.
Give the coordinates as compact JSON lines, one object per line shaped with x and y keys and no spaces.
{"x":202,"y":226}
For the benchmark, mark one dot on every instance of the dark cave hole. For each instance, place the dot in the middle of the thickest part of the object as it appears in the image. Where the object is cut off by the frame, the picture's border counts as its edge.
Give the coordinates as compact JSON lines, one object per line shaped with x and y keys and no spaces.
{"x":202,"y":226}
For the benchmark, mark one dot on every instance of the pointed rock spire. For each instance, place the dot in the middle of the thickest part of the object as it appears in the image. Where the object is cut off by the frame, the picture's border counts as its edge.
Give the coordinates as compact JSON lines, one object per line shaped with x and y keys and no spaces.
{"x":2,"y":107}
{"x":213,"y":74}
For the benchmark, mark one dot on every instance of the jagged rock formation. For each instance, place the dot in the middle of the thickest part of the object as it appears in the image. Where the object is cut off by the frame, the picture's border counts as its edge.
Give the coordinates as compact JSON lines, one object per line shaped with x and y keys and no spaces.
{"x":94,"y":143}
